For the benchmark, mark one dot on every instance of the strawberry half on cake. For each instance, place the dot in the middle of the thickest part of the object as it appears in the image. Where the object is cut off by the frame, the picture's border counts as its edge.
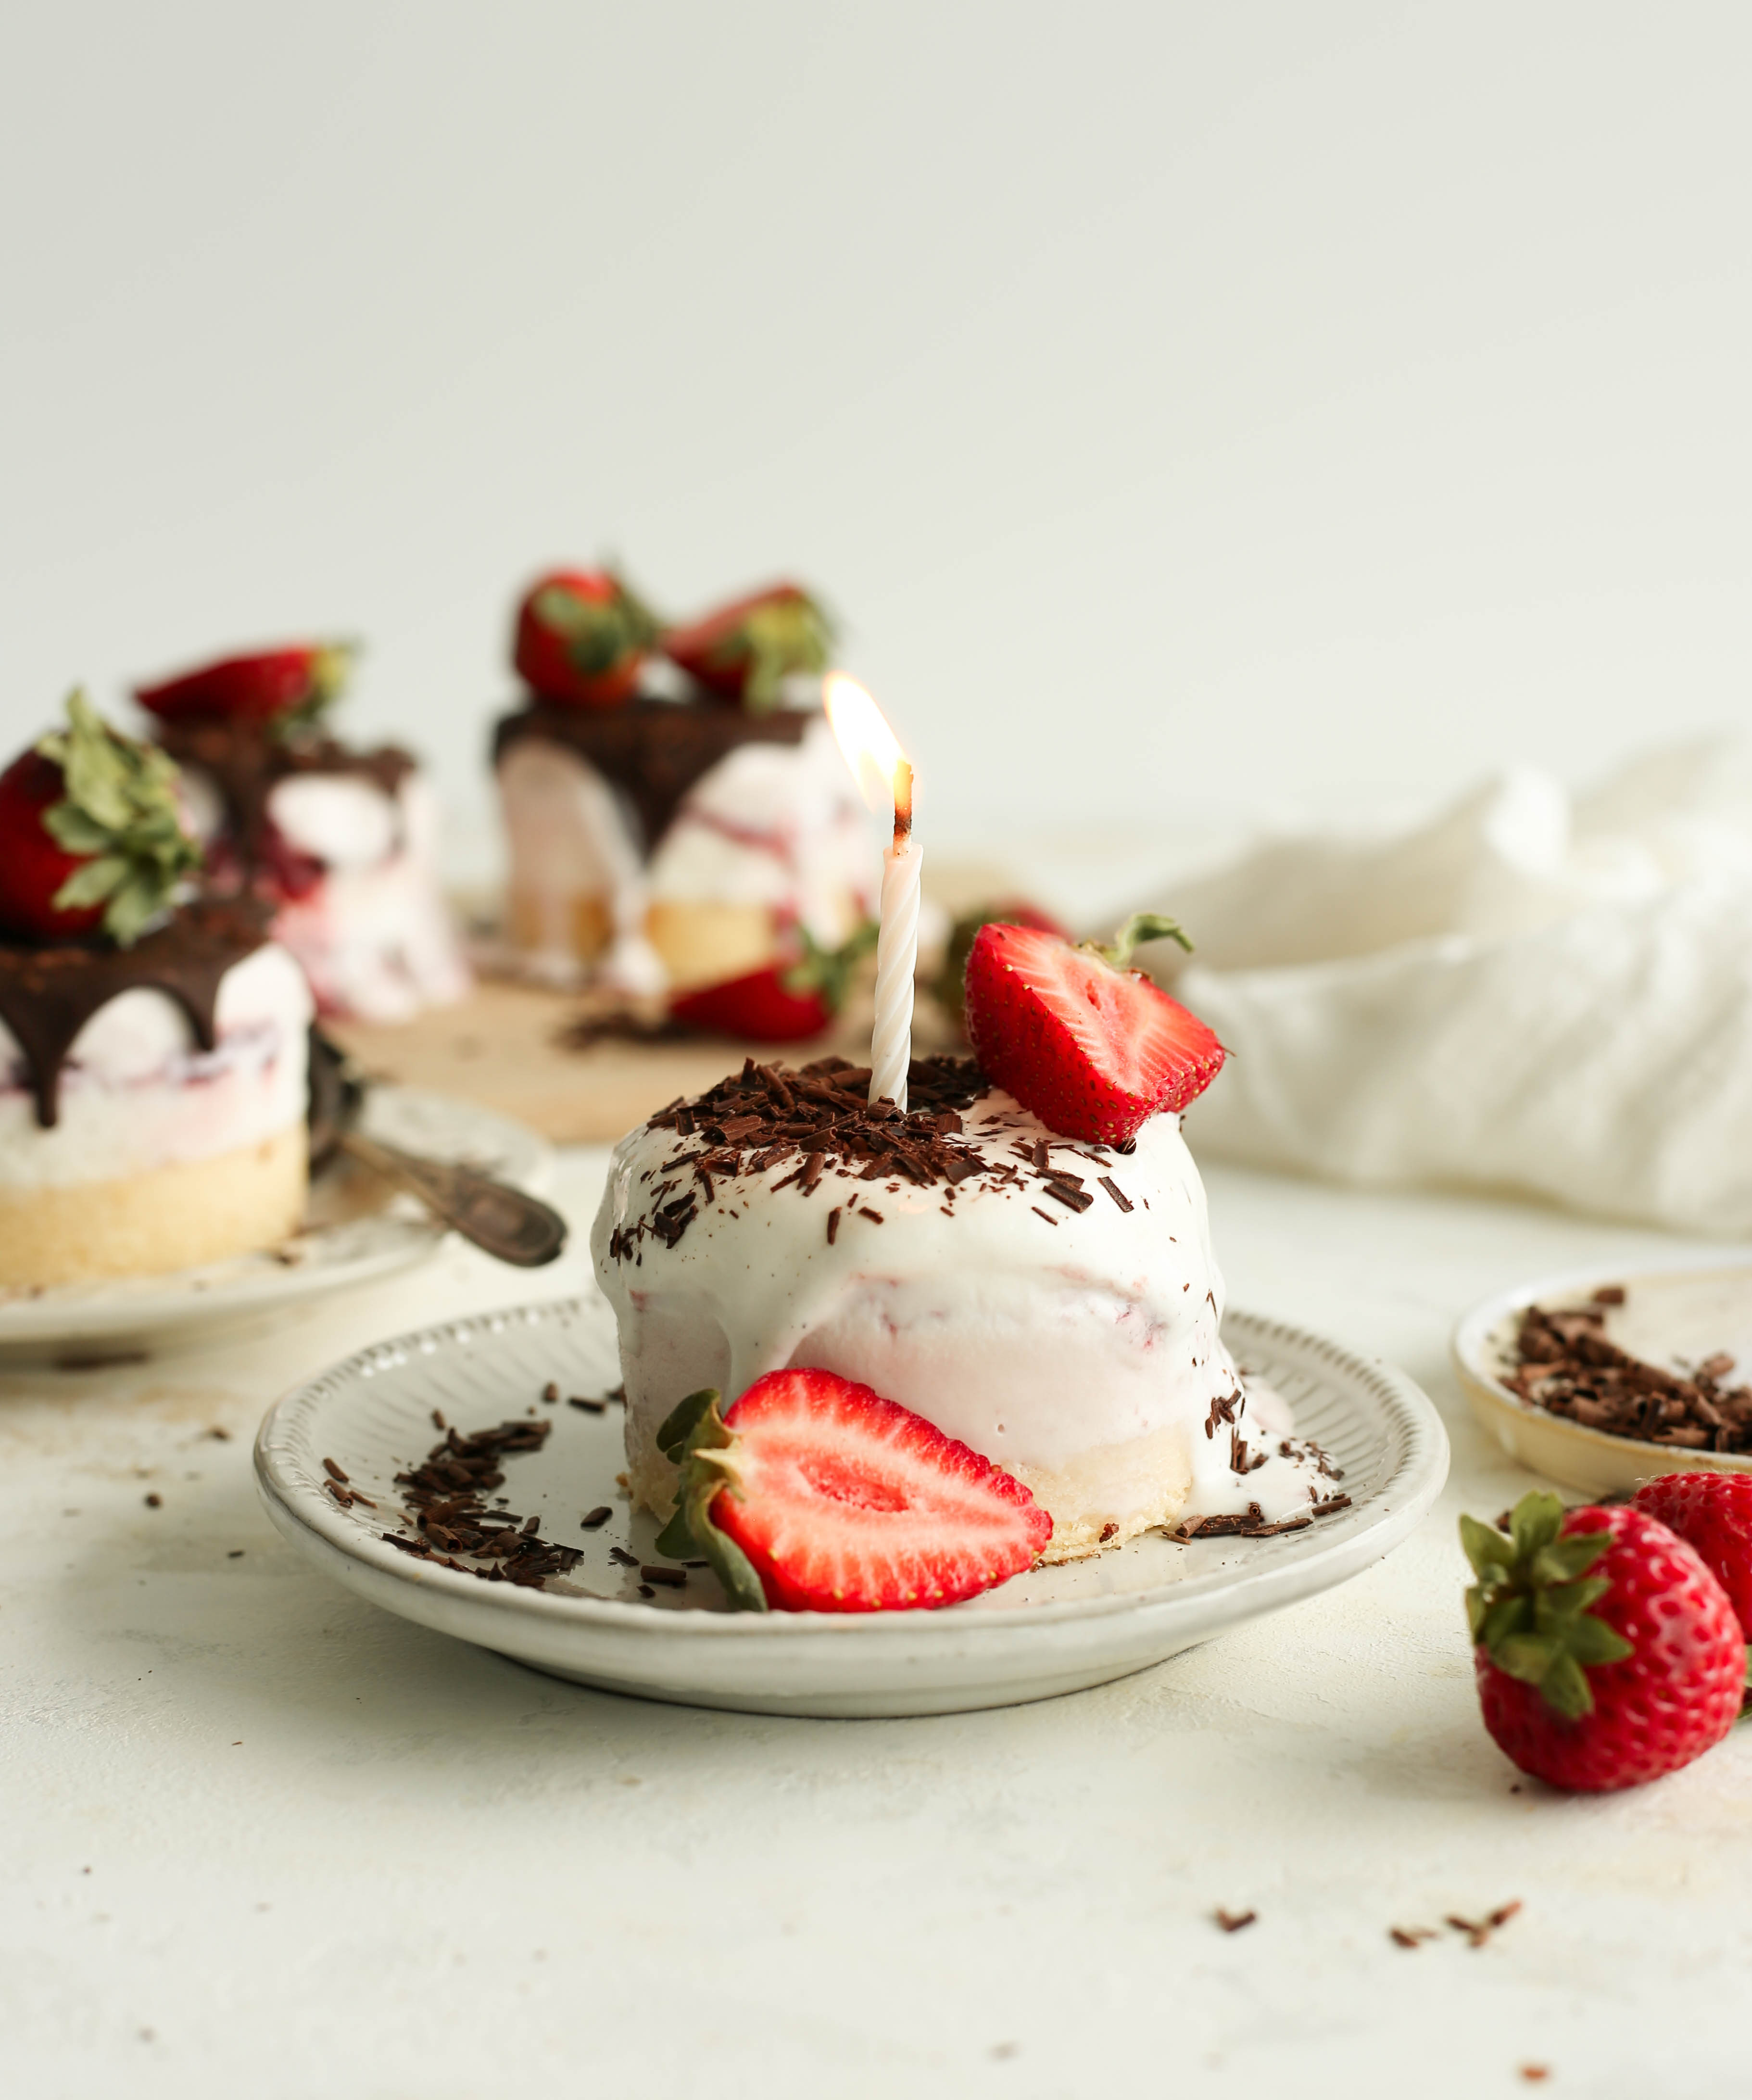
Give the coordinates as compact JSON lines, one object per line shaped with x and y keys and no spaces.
{"x":341,"y":842}
{"x":1022,"y":1260}
{"x":666,"y":840}
{"x":153,"y":1046}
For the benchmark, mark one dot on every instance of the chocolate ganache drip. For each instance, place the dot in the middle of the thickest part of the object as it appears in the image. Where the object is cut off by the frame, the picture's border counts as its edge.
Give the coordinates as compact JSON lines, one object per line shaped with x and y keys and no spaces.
{"x":652,"y":750}
{"x":47,"y":995}
{"x":247,"y":760}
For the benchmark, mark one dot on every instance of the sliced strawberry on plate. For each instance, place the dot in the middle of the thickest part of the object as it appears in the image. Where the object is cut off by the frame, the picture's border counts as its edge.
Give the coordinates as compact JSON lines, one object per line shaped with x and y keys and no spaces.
{"x":745,"y":650}
{"x":581,"y":637}
{"x":92,"y":834}
{"x":1607,"y":1654}
{"x":813,"y":1494}
{"x":297,"y":682}
{"x":1712,"y":1512}
{"x":781,"y":1003}
{"x":1092,"y":1047}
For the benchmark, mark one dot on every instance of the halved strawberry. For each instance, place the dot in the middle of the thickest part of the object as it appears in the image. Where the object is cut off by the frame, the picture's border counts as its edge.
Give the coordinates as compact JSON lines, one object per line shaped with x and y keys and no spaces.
{"x":1013,"y":912}
{"x":813,"y":1494}
{"x":582,"y":636}
{"x":744,"y":649}
{"x":271,"y":684}
{"x":785,"y":1002}
{"x":90,"y":833}
{"x":1094,"y":1048}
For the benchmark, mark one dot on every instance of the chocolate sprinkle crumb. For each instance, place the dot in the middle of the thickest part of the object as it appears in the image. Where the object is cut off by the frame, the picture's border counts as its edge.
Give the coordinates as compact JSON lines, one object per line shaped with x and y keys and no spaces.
{"x":672,"y":1578}
{"x":594,"y":1519}
{"x":334,"y":1471}
{"x":1478,"y":1930}
{"x":1236,"y":1921}
{"x":587,"y":1407}
{"x":833,"y":1226}
{"x":155,"y":1501}
{"x":1116,"y":1191}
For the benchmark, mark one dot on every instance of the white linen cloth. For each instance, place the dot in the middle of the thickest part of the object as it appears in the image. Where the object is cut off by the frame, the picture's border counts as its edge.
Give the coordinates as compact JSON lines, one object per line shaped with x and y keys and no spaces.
{"x":1532,"y":993}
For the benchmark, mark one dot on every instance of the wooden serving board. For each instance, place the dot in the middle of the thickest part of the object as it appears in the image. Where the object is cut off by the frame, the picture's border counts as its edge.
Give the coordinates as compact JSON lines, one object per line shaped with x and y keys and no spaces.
{"x":503,"y":1046}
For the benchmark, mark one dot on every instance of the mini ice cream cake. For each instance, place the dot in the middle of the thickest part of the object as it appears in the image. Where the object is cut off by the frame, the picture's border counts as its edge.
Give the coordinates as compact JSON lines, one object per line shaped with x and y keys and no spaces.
{"x":1045,"y":1296}
{"x":152,"y":1048}
{"x":341,"y":842}
{"x":665,"y":843}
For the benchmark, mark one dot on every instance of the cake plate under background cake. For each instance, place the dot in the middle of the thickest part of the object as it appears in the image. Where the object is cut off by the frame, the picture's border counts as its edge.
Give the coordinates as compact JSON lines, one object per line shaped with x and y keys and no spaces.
{"x":1053,"y":1630}
{"x":358,"y":1230}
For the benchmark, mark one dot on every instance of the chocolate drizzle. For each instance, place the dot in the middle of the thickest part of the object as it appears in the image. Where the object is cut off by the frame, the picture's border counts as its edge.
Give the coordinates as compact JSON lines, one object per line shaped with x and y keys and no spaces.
{"x":48,"y":994}
{"x":819,"y":1124}
{"x":247,"y":761}
{"x":654,"y":751}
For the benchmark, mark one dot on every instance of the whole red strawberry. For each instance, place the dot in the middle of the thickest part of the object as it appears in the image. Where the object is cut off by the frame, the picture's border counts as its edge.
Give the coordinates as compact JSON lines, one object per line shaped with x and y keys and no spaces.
{"x":581,"y":637}
{"x":1607,"y":1654}
{"x":271,"y":685}
{"x":92,"y":833}
{"x":1712,"y":1512}
{"x":745,"y":650}
{"x":813,"y":1494}
{"x":1094,"y":1048}
{"x":780,"y":1003}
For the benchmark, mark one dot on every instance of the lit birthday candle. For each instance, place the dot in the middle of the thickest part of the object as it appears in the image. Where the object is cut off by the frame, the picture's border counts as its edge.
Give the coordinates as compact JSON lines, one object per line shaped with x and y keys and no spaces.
{"x":885,"y":778}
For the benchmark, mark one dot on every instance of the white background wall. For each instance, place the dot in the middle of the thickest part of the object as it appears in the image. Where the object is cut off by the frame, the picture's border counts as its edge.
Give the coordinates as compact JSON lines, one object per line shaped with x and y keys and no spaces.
{"x":1276,"y":402}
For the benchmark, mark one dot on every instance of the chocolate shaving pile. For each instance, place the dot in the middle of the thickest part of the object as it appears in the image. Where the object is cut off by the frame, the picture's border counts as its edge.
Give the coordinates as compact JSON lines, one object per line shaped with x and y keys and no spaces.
{"x":819,"y":1122}
{"x":1567,"y":1366}
{"x":447,"y":1497}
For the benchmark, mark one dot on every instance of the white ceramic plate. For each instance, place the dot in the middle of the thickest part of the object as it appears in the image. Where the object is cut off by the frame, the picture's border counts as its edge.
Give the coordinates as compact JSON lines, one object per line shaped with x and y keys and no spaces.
{"x":1677,"y":1312}
{"x":1054,"y":1630}
{"x":357,"y":1230}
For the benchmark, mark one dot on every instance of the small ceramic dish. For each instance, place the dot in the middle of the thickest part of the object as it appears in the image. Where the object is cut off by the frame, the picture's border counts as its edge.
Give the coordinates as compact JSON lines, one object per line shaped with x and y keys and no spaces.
{"x":1051,"y":1630}
{"x":1673,"y":1317}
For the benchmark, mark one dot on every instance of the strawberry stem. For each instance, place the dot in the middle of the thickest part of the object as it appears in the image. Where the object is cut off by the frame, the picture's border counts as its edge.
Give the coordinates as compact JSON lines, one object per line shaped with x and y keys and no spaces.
{"x":695,"y":1438}
{"x":331,"y":667}
{"x":827,"y":972}
{"x":1528,"y":1610}
{"x":120,"y":816}
{"x":1140,"y":927}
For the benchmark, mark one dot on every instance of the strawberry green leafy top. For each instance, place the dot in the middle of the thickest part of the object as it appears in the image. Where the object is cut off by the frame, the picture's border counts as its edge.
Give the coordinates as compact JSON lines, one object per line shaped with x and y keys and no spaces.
{"x":1528,"y":1610}
{"x":120,"y":814}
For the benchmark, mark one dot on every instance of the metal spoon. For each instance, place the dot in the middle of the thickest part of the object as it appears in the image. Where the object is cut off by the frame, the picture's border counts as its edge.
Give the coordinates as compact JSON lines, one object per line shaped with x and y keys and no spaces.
{"x":505,"y":1222}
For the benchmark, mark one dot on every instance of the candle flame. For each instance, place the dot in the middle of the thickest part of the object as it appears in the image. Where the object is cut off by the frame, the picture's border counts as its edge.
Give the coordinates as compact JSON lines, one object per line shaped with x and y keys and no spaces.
{"x":869,"y":746}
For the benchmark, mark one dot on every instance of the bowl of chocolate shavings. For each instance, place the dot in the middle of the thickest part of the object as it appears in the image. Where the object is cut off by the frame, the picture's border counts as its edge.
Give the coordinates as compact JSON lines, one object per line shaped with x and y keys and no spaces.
{"x":1602,"y":1382}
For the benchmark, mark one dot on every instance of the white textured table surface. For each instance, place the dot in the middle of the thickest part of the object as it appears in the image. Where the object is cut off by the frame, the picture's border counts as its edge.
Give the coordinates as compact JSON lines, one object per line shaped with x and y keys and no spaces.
{"x":260,"y":1840}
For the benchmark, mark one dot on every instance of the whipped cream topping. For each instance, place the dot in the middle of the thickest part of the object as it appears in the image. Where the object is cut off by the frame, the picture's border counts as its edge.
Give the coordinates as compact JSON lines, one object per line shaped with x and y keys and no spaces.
{"x":1045,"y":1302}
{"x":137,"y":1093}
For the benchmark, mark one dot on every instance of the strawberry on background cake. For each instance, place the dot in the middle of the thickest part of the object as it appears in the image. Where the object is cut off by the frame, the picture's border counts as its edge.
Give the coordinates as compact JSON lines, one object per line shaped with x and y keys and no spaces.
{"x":341,"y":842}
{"x":677,"y":812}
{"x":153,"y":1046}
{"x":1021,"y":1261}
